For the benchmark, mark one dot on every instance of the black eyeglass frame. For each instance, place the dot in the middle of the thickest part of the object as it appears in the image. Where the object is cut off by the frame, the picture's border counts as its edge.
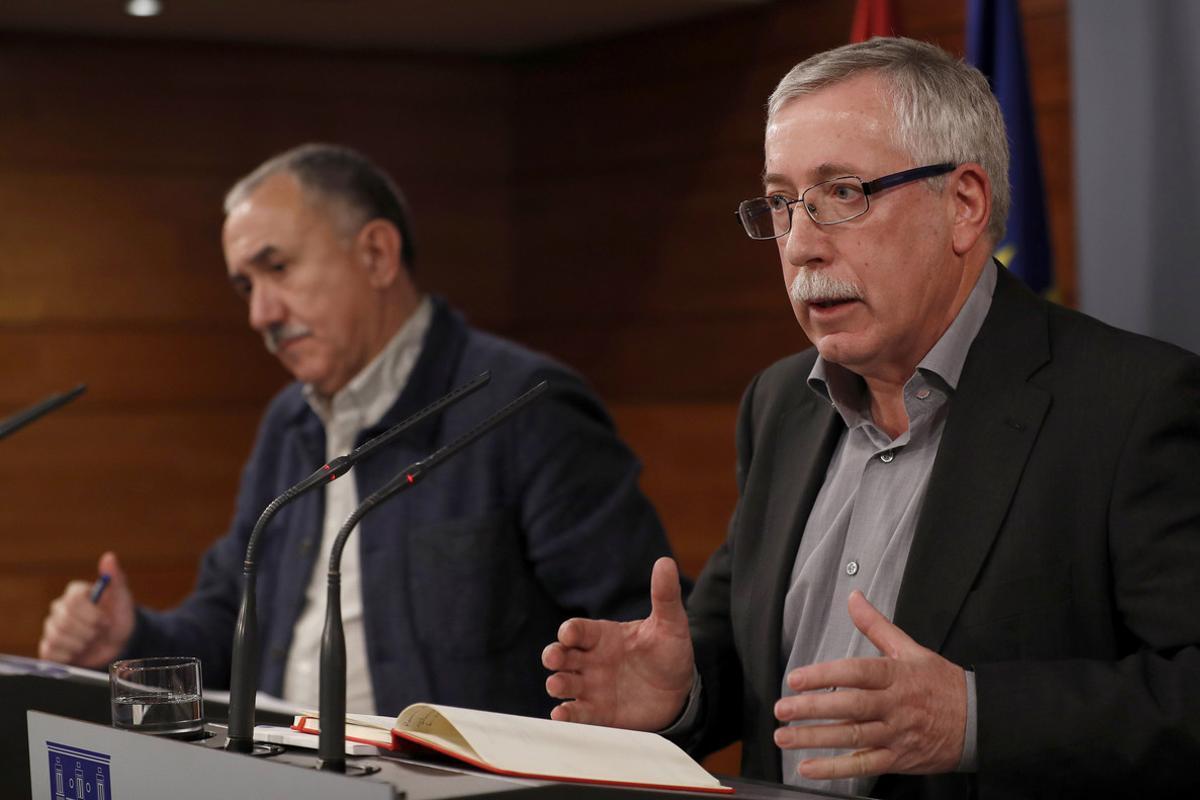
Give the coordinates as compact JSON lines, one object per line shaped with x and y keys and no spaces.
{"x":869,"y":188}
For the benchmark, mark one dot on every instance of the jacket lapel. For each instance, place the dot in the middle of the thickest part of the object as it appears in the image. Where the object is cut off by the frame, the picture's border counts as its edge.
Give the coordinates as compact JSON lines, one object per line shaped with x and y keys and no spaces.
{"x":805,"y":441}
{"x":994,"y":419}
{"x":430,"y":378}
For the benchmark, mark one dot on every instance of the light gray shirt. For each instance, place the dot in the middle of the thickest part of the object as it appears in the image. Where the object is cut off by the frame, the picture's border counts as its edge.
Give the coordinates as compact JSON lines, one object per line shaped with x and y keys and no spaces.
{"x":861,"y":527}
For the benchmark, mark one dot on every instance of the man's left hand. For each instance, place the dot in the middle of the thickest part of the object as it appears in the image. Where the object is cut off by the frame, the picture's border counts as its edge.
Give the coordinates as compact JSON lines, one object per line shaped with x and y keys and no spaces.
{"x":903,"y":712}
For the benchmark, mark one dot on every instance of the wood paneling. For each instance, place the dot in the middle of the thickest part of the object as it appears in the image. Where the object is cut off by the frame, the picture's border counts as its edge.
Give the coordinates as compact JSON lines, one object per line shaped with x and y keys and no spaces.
{"x":114,"y":158}
{"x":688,"y":461}
{"x":680,"y":359}
{"x":578,"y":199}
{"x":630,"y":158}
{"x":105,"y":245}
{"x":154,"y":484}
{"x":137,"y":368}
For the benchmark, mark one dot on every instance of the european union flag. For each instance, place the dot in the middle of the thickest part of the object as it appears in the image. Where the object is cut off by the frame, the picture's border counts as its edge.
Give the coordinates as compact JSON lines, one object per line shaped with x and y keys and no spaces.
{"x":995,"y":46}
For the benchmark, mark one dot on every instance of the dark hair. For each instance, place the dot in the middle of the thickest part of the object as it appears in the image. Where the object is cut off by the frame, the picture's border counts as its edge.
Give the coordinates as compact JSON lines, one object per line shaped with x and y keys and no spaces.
{"x":342,"y":174}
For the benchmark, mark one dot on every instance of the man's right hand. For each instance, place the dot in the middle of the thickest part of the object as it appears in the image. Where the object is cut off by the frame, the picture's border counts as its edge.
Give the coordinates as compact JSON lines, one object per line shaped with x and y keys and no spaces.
{"x":88,"y":634}
{"x":625,"y":674}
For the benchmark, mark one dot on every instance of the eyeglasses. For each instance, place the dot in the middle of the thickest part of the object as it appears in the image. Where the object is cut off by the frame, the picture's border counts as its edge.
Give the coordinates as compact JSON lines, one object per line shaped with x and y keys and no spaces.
{"x":827,"y":203}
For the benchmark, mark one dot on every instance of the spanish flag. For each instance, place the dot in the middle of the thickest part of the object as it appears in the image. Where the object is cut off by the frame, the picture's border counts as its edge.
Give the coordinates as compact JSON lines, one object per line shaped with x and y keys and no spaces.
{"x":873,"y":18}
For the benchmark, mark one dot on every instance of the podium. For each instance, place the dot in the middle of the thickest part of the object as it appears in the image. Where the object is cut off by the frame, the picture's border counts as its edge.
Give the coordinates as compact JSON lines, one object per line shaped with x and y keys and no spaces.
{"x":59,"y":745}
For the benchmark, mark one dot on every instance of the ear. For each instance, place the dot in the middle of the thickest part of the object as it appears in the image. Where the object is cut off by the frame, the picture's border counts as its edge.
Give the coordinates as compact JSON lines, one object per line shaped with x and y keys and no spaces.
{"x":377,"y":246}
{"x":970,"y":191}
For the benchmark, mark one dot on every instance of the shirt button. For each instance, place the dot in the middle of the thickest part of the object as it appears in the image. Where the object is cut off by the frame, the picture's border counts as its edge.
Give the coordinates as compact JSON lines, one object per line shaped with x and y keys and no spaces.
{"x":886,"y":457}
{"x":852,"y":568}
{"x":922,"y":394}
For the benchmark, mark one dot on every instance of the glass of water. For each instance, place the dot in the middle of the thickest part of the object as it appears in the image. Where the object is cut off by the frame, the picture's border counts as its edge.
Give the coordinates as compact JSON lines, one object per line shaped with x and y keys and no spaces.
{"x":158,"y":695}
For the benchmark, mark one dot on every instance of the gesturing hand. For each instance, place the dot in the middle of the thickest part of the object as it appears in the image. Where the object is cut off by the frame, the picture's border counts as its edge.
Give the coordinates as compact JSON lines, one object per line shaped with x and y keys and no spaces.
{"x":625,"y":674}
{"x":903,"y":712}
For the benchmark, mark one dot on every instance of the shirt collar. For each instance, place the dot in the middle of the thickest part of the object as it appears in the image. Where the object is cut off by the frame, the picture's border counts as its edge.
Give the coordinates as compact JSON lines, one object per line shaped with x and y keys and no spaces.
{"x":944,"y":361}
{"x":372,"y":391}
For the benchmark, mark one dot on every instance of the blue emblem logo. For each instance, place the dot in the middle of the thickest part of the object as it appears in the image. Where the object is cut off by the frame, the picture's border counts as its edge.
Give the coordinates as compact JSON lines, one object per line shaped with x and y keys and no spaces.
{"x":77,"y":774}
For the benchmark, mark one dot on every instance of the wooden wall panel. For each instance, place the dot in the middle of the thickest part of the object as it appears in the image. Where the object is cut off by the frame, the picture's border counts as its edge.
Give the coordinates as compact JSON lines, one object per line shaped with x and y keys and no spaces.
{"x":688,"y":452}
{"x":102,"y":244}
{"x":114,"y":158}
{"x":150,"y":484}
{"x":578,"y":199}
{"x":134,"y":368}
{"x":630,"y":158}
{"x":676,"y":359}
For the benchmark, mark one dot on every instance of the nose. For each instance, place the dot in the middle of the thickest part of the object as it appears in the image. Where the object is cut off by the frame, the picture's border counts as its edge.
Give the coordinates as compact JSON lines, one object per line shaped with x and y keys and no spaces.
{"x":807,"y":243}
{"x":266,"y":308}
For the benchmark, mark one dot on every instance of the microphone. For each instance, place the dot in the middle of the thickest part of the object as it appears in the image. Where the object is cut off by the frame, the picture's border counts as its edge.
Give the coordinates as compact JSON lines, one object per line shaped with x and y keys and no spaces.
{"x":23,"y":418}
{"x":243,"y":674}
{"x":331,"y":749}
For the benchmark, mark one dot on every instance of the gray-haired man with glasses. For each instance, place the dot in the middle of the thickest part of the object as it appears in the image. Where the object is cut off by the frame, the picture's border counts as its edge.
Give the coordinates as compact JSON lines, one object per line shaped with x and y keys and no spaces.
{"x":827,"y":203}
{"x":965,"y":550}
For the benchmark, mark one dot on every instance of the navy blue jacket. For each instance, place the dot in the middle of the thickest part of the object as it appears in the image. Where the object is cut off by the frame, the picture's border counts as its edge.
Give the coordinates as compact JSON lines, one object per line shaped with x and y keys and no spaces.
{"x":467,"y":576}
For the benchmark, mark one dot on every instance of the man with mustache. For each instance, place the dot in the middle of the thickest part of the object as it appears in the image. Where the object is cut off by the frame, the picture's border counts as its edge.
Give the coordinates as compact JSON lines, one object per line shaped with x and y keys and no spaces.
{"x":449,"y":592}
{"x":967,"y":539}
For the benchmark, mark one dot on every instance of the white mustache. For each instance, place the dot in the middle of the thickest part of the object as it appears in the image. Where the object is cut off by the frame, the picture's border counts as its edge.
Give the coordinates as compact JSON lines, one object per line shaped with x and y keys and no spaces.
{"x":809,"y":286}
{"x":275,"y":334}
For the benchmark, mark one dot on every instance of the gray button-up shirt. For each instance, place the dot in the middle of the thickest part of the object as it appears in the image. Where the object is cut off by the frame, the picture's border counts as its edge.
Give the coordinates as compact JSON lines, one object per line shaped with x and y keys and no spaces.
{"x":860,"y":529}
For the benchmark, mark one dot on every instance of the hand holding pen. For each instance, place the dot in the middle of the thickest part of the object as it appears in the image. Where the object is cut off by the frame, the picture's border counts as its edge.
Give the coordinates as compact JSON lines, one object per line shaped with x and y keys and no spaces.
{"x":98,"y":587}
{"x":91,"y":622}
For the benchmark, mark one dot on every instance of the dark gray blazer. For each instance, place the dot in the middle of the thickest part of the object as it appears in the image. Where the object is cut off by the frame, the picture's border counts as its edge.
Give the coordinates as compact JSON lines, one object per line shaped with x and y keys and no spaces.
{"x":1058,"y":555}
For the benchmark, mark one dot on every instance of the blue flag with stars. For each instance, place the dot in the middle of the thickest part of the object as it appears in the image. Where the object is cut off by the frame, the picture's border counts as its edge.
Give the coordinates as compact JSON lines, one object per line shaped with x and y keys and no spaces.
{"x":995,"y":46}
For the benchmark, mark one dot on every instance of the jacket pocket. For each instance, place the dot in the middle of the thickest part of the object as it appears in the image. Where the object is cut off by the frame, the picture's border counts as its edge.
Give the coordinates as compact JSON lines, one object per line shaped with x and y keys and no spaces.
{"x":470,"y":585}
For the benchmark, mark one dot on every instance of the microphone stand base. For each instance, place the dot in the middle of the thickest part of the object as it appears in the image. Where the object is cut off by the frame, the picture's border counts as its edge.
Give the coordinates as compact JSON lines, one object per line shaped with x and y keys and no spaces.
{"x":257,"y":749}
{"x":264,"y":750}
{"x":355,"y":770}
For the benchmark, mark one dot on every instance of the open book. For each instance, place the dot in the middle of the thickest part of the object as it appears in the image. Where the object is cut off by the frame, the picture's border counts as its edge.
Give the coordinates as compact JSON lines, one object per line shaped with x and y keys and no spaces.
{"x":531,"y":747}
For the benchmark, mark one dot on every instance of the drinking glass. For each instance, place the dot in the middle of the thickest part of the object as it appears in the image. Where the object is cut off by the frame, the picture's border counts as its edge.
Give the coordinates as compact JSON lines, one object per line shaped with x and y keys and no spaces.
{"x":160,"y":696}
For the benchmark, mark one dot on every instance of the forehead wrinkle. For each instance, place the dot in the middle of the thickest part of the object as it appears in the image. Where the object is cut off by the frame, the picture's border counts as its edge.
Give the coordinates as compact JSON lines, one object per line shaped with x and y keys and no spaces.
{"x":823,"y":172}
{"x":835,"y":169}
{"x":867,"y":124}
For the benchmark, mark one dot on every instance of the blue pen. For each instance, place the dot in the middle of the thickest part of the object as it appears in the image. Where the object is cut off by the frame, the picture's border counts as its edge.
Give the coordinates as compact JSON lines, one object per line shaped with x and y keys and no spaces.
{"x":98,"y":588}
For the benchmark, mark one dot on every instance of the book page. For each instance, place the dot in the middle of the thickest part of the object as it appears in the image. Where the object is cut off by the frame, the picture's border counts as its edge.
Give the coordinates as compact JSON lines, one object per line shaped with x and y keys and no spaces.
{"x":367,"y":721}
{"x":545,"y":747}
{"x":430,"y":725}
{"x":362,"y":727}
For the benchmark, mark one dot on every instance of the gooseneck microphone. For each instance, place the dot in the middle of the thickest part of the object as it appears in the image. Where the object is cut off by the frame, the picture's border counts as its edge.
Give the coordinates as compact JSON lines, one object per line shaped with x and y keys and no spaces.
{"x":243,"y":675}
{"x":331,"y":750}
{"x":23,"y":418}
